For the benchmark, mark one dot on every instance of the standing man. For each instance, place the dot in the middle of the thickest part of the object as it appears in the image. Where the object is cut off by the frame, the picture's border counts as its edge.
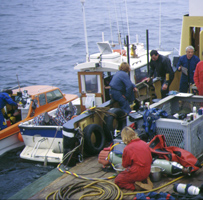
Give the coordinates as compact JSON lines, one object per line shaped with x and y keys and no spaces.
{"x":160,"y":66}
{"x":187,"y":64}
{"x":122,"y":89}
{"x":5,"y":99}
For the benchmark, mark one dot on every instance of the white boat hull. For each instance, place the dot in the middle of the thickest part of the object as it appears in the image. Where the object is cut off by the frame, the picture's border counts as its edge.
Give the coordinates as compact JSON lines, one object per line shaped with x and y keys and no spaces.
{"x":41,"y":155}
{"x":41,"y":148}
{"x":10,"y":143}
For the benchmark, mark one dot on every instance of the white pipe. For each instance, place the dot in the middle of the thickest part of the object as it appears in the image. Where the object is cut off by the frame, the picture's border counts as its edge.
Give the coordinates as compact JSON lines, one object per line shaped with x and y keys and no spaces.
{"x":85,"y":30}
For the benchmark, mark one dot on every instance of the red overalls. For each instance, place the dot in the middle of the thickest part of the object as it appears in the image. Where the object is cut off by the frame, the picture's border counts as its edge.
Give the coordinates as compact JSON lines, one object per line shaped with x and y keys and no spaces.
{"x":137,"y":160}
{"x":198,"y":77}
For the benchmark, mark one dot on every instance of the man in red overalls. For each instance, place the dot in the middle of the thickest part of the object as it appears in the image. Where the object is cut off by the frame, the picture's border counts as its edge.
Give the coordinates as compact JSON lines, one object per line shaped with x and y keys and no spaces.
{"x":198,"y":77}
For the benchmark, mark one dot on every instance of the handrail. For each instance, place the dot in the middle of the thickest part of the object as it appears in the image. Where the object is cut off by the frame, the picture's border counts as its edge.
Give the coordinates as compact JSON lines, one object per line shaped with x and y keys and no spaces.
{"x":36,"y":147}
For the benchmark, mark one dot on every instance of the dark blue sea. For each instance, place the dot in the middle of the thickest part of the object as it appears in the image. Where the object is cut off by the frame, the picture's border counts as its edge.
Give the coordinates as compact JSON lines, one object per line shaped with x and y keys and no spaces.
{"x":41,"y":41}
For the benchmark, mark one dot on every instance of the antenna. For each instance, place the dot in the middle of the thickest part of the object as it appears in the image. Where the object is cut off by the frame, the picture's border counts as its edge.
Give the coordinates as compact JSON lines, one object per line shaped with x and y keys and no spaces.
{"x":18,"y":82}
{"x":110,"y":25}
{"x":85,"y":30}
{"x":160,"y":25}
{"x":117,"y":26}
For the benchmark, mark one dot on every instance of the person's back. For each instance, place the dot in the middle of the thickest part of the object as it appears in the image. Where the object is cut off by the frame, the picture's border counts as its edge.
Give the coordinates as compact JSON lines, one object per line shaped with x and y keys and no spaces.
{"x":122,"y":89}
{"x":136,"y":159}
{"x":5,"y":99}
{"x":198,"y":77}
{"x":139,"y":152}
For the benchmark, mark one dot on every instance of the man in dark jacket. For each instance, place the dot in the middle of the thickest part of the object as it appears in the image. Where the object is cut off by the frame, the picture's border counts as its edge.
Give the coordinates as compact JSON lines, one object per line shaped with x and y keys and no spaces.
{"x":5,"y":99}
{"x":160,"y":66}
{"x":122,"y":89}
{"x":187,"y":64}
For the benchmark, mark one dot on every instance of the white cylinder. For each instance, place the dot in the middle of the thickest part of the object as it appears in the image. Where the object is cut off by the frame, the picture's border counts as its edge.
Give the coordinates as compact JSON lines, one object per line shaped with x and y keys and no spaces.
{"x":193,"y":190}
{"x":194,"y":112}
{"x":181,"y":188}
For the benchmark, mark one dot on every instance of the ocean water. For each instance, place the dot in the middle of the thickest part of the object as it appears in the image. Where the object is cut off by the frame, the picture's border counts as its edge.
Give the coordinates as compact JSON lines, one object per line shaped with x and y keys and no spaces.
{"x":41,"y":41}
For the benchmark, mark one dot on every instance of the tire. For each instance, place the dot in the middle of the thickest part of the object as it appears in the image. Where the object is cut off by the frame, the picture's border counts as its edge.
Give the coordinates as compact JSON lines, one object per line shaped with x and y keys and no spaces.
{"x":113,"y":123}
{"x":94,"y":139}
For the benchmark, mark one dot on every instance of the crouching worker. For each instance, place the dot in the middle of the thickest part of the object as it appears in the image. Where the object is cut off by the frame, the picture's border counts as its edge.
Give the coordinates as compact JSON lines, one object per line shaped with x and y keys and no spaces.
{"x":137,"y":160}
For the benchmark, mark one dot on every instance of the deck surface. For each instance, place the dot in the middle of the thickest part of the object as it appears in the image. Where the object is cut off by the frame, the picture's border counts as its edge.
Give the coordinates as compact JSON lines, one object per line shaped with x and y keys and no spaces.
{"x":90,"y":168}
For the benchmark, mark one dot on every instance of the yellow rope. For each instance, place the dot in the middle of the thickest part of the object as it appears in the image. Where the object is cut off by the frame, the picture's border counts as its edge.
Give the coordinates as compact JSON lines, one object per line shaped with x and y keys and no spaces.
{"x":132,"y":193}
{"x":101,"y":191}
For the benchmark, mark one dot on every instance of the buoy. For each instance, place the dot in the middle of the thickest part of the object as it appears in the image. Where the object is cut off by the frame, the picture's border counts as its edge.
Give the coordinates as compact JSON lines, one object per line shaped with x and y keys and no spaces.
{"x":20,"y":138}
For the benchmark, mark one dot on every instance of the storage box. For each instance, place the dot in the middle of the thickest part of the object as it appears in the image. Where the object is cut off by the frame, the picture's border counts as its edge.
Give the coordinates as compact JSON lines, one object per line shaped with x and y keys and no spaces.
{"x":181,"y":133}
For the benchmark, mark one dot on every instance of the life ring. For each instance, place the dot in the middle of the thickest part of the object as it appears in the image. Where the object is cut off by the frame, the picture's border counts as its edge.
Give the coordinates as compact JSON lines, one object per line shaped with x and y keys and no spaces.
{"x":122,"y":52}
{"x":113,"y":123}
{"x":94,"y":139}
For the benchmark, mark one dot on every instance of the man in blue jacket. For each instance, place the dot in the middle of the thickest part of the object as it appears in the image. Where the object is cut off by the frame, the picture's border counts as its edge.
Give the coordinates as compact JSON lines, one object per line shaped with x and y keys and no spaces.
{"x":187,"y":64}
{"x":122,"y":89}
{"x":5,"y":99}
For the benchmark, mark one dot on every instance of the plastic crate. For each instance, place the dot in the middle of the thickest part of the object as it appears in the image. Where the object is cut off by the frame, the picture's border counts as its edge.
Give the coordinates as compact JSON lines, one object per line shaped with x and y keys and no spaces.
{"x":181,"y":133}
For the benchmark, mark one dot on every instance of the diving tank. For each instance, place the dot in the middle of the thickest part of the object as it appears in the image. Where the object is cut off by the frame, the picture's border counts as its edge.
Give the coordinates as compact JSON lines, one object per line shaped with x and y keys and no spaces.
{"x":115,"y":158}
{"x":169,"y":167}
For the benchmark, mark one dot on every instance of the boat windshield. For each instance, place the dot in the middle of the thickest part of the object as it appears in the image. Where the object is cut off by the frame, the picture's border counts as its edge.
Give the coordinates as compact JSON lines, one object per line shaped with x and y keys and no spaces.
{"x":54,"y":95}
{"x":91,"y":83}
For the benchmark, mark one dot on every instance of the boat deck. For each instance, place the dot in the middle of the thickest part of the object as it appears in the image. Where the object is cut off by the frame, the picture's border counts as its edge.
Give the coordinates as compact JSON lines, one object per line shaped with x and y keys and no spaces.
{"x":53,"y":182}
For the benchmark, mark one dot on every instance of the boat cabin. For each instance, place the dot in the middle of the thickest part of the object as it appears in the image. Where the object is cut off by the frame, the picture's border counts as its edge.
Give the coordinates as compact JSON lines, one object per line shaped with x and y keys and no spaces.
{"x":95,"y":75}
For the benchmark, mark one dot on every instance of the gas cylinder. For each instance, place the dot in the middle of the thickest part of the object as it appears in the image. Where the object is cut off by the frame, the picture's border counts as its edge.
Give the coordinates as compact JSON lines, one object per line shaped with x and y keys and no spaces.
{"x":169,"y":167}
{"x":115,"y":158}
{"x":186,"y":189}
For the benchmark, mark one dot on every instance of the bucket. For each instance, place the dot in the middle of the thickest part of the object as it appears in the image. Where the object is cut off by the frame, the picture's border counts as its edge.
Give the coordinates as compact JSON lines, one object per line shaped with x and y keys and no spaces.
{"x":155,"y":173}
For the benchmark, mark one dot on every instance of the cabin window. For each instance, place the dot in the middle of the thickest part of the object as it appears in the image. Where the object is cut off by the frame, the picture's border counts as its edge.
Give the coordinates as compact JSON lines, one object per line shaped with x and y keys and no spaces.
{"x":91,"y":83}
{"x":140,"y":74}
{"x":54,"y":95}
{"x":42,"y":99}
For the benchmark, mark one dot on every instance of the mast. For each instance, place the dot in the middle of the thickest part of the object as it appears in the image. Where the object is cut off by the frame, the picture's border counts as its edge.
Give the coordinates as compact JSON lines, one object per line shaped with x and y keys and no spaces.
{"x":126,"y":10}
{"x":85,"y":30}
{"x":160,"y":25}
